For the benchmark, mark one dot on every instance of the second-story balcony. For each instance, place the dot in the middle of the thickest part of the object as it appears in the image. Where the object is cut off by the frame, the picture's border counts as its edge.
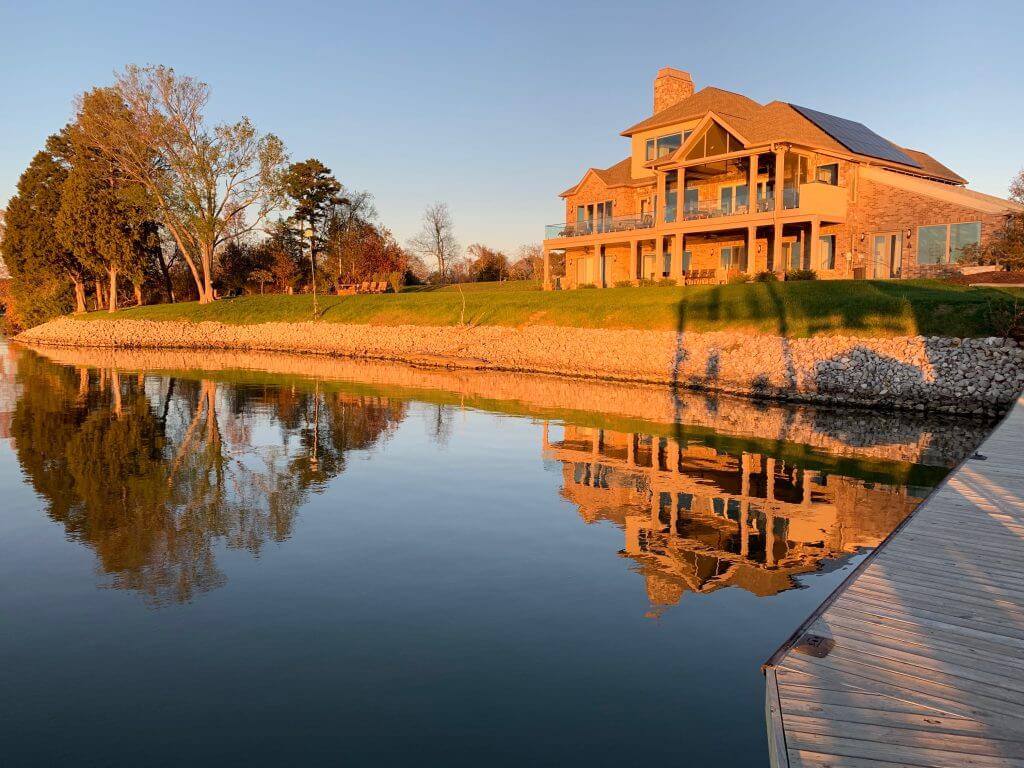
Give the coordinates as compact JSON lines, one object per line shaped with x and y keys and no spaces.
{"x":812,"y":198}
{"x":598,"y":226}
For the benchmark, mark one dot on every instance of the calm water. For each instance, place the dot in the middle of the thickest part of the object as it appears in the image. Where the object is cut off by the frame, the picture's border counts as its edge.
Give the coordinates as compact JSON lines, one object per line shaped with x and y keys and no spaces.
{"x":331,"y":563}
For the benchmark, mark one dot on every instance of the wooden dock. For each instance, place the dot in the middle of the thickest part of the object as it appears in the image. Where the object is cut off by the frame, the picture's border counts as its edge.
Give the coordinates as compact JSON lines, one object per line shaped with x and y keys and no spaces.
{"x":917,"y":659}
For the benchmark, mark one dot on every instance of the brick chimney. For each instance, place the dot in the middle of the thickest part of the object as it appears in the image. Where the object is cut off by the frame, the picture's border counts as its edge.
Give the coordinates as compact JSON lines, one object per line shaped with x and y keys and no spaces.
{"x":670,"y":87}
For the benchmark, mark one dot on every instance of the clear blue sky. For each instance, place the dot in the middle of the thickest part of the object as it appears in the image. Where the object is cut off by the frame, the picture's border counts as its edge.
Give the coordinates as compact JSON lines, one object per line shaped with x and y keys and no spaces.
{"x":497,"y":107}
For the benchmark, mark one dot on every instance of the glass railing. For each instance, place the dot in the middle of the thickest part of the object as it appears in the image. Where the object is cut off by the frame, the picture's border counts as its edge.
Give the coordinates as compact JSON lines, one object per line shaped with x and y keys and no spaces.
{"x":691,"y":212}
{"x":598,"y":226}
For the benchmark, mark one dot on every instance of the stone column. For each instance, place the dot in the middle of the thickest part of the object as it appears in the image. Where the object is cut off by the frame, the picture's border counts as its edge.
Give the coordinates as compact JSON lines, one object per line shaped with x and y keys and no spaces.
{"x":777,"y":247}
{"x":547,"y":270}
{"x":677,"y":254}
{"x":815,"y":250}
{"x":659,"y":211}
{"x":752,"y":185}
{"x":751,"y":248}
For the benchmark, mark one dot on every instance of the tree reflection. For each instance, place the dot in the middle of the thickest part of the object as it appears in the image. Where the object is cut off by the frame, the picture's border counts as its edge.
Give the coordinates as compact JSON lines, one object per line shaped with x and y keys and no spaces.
{"x":153,"y":473}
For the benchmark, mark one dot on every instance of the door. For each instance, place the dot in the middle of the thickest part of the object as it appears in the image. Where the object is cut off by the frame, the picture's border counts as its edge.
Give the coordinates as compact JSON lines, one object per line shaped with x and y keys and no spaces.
{"x":886,"y":255}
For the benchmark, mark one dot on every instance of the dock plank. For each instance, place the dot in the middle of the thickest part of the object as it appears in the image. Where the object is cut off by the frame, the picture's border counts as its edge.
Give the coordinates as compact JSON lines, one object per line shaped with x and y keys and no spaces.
{"x":927,"y":667}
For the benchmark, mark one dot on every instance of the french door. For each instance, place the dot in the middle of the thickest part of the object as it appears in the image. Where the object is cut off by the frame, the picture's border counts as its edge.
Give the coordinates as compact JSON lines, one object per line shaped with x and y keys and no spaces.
{"x":886,"y":255}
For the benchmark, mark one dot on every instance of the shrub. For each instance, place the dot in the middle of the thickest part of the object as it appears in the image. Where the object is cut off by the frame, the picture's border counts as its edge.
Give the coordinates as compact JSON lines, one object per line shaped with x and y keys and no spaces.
{"x":801,"y":274}
{"x":647,"y":283}
{"x":666,"y":282}
{"x":623,"y":283}
{"x":736,"y":278}
{"x":586,"y":285}
{"x":765,"y":277}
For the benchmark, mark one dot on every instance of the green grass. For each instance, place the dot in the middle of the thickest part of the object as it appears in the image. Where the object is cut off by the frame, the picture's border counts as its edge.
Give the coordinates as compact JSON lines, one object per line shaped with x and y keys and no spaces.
{"x":795,"y":309}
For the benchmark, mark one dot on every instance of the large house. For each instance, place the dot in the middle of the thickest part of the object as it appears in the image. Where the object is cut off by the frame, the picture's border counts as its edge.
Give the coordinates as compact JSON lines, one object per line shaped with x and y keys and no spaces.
{"x":717,"y":184}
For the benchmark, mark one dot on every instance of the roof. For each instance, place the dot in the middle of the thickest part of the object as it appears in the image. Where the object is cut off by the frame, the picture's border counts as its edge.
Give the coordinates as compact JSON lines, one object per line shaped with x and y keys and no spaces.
{"x":725,"y":103}
{"x":774,"y":122}
{"x":947,"y":193}
{"x":614,"y":176}
{"x":778,"y":121}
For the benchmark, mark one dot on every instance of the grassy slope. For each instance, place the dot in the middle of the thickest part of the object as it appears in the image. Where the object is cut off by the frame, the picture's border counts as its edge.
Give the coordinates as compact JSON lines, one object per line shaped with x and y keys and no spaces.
{"x":797,"y":309}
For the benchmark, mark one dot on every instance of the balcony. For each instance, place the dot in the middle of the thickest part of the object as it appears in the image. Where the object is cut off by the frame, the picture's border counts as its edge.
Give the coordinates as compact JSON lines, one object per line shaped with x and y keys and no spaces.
{"x":811,"y":198}
{"x":598,"y":226}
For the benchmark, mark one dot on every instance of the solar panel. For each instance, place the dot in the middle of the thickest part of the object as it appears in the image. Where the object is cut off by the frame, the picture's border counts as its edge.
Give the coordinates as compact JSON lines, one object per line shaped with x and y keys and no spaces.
{"x":857,"y":137}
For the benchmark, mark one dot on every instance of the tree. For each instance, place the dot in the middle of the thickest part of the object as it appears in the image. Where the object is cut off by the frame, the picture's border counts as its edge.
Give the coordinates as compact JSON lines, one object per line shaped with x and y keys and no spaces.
{"x":486,"y":264}
{"x":104,"y":219}
{"x":203,"y":179}
{"x":529,"y":264}
{"x":47,"y":278}
{"x":313,"y":191}
{"x":365,"y":251}
{"x":1017,"y":188}
{"x":262,"y":276}
{"x":436,"y":241}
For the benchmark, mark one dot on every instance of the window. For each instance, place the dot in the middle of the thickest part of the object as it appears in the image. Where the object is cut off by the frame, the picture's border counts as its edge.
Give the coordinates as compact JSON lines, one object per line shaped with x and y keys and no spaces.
{"x":931,"y":244}
{"x":827,"y":248}
{"x":671,"y":184}
{"x":715,"y":141}
{"x":664,"y":145}
{"x":666,"y":263}
{"x":734,"y":257}
{"x":829,"y":174}
{"x":961,"y":236}
{"x":687,"y":258}
{"x":791,"y":255}
{"x":691,"y":200}
{"x":734,"y":198}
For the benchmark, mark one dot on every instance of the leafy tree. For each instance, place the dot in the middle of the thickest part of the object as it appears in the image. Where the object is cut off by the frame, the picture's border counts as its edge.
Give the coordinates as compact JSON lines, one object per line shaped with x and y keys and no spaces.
{"x":487,"y":264}
{"x":204,"y":180}
{"x":239,"y":261}
{"x":105,"y":219}
{"x":47,"y":279}
{"x":529,"y":264}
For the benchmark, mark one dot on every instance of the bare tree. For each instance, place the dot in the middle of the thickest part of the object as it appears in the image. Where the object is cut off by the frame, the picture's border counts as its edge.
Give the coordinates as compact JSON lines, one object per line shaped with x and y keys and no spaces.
{"x":204,"y":179}
{"x":436,"y":241}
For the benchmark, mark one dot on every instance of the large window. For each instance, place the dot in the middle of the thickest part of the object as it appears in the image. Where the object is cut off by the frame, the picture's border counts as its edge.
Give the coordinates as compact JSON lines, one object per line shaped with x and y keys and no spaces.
{"x":715,"y":141}
{"x":735,"y":198}
{"x":945,"y":243}
{"x":665,"y":145}
{"x":734,"y":257}
{"x":961,"y":236}
{"x":687,"y":258}
{"x":691,"y":199}
{"x":671,"y":195}
{"x":827,"y":248}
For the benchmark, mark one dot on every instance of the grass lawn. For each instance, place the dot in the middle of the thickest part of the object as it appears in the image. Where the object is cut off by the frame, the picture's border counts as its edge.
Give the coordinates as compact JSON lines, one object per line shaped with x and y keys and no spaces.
{"x":796,"y":309}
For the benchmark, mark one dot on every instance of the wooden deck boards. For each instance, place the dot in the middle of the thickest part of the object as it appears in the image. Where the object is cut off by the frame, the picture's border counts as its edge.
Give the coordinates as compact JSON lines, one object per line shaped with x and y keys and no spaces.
{"x":928,"y":663}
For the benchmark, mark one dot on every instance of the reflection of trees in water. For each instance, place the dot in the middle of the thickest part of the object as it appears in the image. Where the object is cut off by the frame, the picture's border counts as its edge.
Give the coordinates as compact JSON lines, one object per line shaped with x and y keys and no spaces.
{"x":153,"y":472}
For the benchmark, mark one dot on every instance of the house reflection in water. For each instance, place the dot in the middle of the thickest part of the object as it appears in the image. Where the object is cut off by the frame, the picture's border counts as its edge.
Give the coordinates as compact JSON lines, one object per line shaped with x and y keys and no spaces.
{"x":697,"y":519}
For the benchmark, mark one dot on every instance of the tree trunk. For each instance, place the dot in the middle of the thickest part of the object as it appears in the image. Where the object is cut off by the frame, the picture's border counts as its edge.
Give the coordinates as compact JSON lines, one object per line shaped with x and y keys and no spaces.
{"x":112,"y":297}
{"x":138,"y":294}
{"x":100,"y":300}
{"x":206,"y":289}
{"x":166,"y":272}
{"x":79,"y":296}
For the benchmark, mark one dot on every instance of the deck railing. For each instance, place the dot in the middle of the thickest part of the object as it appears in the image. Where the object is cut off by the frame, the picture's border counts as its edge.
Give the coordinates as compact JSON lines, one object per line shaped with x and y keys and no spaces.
{"x":598,"y":226}
{"x":707,"y":209}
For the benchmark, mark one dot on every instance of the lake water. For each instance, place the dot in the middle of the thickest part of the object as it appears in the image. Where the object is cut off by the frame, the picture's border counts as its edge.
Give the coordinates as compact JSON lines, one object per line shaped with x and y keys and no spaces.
{"x":227,"y":559}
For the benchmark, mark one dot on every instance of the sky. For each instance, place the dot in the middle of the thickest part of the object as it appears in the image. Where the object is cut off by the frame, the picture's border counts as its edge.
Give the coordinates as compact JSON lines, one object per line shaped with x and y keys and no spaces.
{"x":495,"y":108}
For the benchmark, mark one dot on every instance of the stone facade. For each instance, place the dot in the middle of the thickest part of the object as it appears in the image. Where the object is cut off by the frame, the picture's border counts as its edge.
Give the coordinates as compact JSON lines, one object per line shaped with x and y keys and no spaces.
{"x":670,"y":87}
{"x":976,"y":376}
